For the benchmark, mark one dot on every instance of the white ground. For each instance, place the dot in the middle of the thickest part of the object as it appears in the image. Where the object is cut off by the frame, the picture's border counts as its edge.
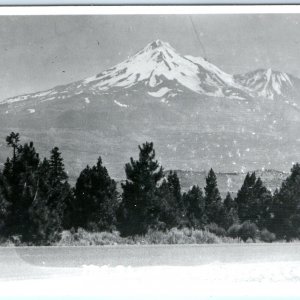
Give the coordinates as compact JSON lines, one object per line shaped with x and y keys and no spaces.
{"x":280,"y":279}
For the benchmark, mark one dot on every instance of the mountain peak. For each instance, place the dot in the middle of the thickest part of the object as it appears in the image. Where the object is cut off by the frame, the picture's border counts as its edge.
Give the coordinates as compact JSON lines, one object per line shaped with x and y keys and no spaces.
{"x":268,"y":72}
{"x":156,"y":44}
{"x":158,"y":67}
{"x":267,"y":83}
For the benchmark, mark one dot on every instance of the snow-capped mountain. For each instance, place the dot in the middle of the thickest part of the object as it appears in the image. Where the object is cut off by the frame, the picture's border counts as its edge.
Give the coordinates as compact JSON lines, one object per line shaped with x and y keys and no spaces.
{"x":197,"y":115}
{"x":162,"y":72}
{"x":155,"y":68}
{"x":268,"y":83}
{"x":157,"y":64}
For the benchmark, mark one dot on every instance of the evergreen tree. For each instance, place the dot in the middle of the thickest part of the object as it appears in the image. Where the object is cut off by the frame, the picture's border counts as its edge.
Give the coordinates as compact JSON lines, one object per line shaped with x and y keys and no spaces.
{"x":213,"y":201}
{"x":141,"y":205}
{"x":230,"y":212}
{"x":172,"y":209}
{"x":95,"y":199}
{"x":175,"y":190}
{"x":195,"y":205}
{"x":60,"y":196}
{"x":8,"y":188}
{"x":18,"y":186}
{"x":52,"y":200}
{"x":4,"y":205}
{"x":254,"y":201}
{"x":33,"y":195}
{"x":286,"y":207}
{"x":244,"y":196}
{"x":168,"y":215}
{"x":46,"y":222}
{"x":12,"y":140}
{"x":228,"y":202}
{"x":57,"y":167}
{"x":26,"y":165}
{"x":262,"y":205}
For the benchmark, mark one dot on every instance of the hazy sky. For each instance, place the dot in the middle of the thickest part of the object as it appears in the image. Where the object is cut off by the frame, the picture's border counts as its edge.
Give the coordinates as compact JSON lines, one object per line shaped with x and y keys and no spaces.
{"x":39,"y":52}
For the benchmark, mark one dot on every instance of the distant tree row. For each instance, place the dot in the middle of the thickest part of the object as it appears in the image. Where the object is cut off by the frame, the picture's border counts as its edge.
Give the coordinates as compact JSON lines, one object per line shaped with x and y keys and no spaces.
{"x":37,"y":202}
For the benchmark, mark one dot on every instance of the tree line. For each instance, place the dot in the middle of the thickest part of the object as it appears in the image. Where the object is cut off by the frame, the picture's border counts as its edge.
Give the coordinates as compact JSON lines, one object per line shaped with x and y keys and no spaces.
{"x":37,"y":202}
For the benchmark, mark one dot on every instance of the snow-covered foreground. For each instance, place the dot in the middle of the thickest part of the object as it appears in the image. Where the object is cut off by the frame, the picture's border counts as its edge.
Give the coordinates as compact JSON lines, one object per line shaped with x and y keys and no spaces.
{"x":277,"y":279}
{"x":152,"y":271}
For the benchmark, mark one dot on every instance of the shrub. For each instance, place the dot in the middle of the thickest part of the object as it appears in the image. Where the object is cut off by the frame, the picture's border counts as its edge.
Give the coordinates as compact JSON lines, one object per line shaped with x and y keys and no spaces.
{"x":205,"y":237}
{"x":85,"y":238}
{"x":172,"y":236}
{"x":67,"y":238}
{"x":217,"y":230}
{"x":9,"y":242}
{"x":244,"y":231}
{"x":247,"y":231}
{"x":267,"y":236}
{"x":177,"y":236}
{"x":230,"y":240}
{"x":182,"y":236}
{"x":153,"y":237}
{"x":233,"y":230}
{"x":15,"y":240}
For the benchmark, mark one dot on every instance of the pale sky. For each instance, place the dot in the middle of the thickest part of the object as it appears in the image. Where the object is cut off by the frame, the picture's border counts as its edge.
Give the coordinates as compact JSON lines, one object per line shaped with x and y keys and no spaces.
{"x":40,"y":52}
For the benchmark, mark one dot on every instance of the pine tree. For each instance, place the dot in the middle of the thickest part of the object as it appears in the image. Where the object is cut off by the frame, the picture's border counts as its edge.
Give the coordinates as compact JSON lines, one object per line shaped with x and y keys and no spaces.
{"x":4,"y":206}
{"x":52,"y":200}
{"x":230,"y":212}
{"x":172,"y":209}
{"x":262,"y":205}
{"x":46,"y":223}
{"x":254,"y":201}
{"x":60,"y":194}
{"x":9,"y":191}
{"x":213,"y":201}
{"x":82,"y":197}
{"x":57,"y":168}
{"x":96,"y":199}
{"x":19,"y":185}
{"x":27,"y":165}
{"x":175,"y":190}
{"x":168,"y":215}
{"x":141,"y":205}
{"x":286,"y":207}
{"x":13,"y":141}
{"x":228,"y":202}
{"x":33,"y":195}
{"x":195,"y":205}
{"x":244,"y":197}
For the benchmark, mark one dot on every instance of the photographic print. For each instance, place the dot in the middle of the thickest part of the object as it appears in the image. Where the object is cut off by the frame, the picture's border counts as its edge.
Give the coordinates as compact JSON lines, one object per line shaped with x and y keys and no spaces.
{"x":150,"y":151}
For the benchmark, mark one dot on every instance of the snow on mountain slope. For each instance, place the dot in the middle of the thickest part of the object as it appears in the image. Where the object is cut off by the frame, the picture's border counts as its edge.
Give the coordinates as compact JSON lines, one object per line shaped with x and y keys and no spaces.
{"x":266,"y":83}
{"x":159,"y":71}
{"x":159,"y":62}
{"x":157,"y":67}
{"x":210,"y":74}
{"x":161,"y":92}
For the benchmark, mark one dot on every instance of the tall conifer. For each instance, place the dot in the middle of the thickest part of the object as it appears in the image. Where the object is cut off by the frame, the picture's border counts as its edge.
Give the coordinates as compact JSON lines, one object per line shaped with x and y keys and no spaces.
{"x":141,"y":206}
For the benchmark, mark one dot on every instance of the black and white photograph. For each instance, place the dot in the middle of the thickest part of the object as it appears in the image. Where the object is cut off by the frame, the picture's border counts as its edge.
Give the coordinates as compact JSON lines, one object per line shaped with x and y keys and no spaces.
{"x":150,"y":152}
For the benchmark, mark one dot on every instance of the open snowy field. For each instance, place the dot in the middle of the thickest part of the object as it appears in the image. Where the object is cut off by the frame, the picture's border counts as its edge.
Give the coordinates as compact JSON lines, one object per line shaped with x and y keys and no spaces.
{"x":278,"y":279}
{"x":243,"y":270}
